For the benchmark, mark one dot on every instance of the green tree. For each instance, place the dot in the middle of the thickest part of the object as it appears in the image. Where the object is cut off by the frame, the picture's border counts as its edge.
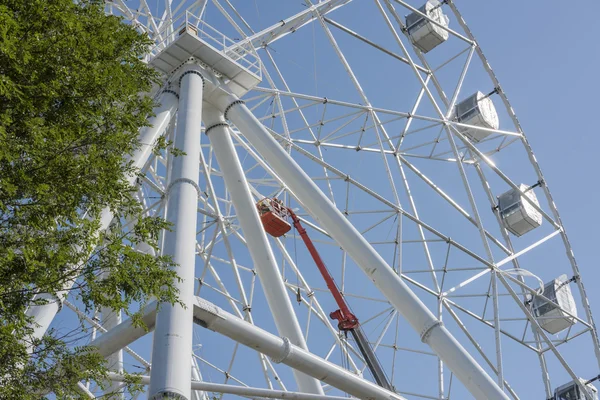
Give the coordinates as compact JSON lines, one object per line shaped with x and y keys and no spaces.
{"x":70,"y":111}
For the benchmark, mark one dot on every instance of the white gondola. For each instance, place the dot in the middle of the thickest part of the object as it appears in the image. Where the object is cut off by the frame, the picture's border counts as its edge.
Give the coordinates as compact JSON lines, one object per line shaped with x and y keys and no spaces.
{"x":571,"y":391}
{"x":518,"y":215}
{"x":551,"y":318}
{"x":422,"y":32}
{"x":477,"y":110}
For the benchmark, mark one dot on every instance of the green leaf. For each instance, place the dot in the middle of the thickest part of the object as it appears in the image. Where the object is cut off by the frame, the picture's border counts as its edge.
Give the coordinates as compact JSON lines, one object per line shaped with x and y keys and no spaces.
{"x":70,"y":112}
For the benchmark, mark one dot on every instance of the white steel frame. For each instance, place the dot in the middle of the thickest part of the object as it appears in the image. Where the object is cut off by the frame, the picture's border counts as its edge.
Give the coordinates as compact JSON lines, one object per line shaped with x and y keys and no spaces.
{"x":280,"y":144}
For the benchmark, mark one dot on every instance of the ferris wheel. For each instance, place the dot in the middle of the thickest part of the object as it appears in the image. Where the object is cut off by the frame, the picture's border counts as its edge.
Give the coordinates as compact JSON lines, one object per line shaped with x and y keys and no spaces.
{"x":358,"y":213}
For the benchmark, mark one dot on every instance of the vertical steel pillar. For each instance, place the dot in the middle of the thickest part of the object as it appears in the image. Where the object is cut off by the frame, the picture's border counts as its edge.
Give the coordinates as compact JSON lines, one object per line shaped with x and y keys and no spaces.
{"x":258,"y":244}
{"x":197,"y":377}
{"x":430,"y":329}
{"x":170,"y":377}
{"x":45,"y":313}
{"x":110,"y":319}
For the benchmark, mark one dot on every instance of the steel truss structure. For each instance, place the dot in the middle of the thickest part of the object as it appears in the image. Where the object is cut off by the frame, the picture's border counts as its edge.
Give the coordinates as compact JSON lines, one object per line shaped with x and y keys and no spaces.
{"x":349,"y":123}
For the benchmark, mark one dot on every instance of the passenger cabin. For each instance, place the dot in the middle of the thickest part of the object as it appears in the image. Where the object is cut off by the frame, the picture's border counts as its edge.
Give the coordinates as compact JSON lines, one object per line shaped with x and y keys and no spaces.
{"x":572,"y":391}
{"x":274,"y":216}
{"x":551,"y":318}
{"x":477,"y":110}
{"x":424,"y":34}
{"x":518,"y":215}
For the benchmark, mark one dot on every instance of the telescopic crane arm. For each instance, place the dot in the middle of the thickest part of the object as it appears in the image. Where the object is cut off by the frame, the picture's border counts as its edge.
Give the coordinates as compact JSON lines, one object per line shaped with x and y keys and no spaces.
{"x":347,"y":321}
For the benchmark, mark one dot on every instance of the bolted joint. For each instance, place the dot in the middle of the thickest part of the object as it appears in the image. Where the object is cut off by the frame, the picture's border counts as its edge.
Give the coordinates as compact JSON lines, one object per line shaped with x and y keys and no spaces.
{"x":167,"y":394}
{"x":192,"y":71}
{"x":215,"y":126}
{"x":60,"y":300}
{"x":286,"y":351}
{"x":426,"y":331}
{"x":540,"y":183}
{"x":236,"y":102}
{"x":50,"y":298}
{"x":174,"y":93}
{"x":182,"y":180}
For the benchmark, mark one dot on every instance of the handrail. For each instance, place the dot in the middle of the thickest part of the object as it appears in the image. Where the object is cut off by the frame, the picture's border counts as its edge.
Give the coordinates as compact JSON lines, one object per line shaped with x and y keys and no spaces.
{"x":238,"y":53}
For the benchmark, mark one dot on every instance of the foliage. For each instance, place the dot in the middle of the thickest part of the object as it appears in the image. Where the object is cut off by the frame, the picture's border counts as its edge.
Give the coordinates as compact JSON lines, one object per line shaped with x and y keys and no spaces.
{"x":70,"y":110}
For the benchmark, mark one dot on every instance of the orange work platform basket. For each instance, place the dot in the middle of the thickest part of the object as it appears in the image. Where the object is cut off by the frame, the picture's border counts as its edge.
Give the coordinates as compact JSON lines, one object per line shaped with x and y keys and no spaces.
{"x":274,"y":215}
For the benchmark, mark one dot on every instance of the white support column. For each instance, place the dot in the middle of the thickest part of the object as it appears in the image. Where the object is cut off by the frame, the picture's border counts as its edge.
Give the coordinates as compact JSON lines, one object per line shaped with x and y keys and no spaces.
{"x":431,"y":330}
{"x":170,"y":377}
{"x":110,"y":319}
{"x":279,"y":349}
{"x":45,"y":313}
{"x":279,"y":302}
{"x":240,"y":391}
{"x":125,"y":333}
{"x":197,"y":377}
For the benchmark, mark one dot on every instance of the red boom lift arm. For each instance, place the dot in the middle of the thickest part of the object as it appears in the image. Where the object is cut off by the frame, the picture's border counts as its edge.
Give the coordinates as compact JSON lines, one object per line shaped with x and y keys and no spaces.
{"x":347,"y":321}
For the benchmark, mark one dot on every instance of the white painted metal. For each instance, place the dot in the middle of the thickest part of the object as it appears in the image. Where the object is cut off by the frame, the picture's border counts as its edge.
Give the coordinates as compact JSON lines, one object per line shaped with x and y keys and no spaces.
{"x":425,"y":34}
{"x":518,"y":215}
{"x":173,"y":334}
{"x":195,"y":38}
{"x":256,"y":237}
{"x":551,"y":318}
{"x":43,"y":314}
{"x":163,"y":113}
{"x":290,"y":25}
{"x":571,"y":391}
{"x":387,"y":281}
{"x":197,"y":394}
{"x":515,"y":262}
{"x":477,"y":110}
{"x":325,"y":137}
{"x":540,"y":175}
{"x":114,"y":362}
{"x":469,"y":146}
{"x":125,"y":333}
{"x":281,"y":350}
{"x":241,"y":391}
